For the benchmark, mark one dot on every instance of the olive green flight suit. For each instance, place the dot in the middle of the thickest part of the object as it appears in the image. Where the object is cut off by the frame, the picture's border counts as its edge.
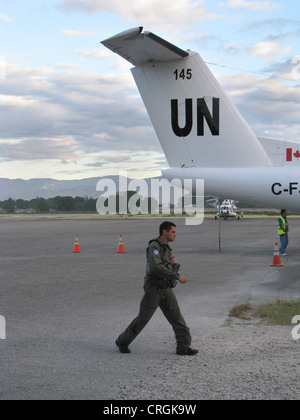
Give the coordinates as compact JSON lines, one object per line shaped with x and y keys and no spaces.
{"x":161,"y":278}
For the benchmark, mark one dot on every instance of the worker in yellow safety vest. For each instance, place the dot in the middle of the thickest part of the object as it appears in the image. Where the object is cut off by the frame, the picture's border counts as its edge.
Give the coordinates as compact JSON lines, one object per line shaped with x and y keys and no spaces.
{"x":283,"y":230}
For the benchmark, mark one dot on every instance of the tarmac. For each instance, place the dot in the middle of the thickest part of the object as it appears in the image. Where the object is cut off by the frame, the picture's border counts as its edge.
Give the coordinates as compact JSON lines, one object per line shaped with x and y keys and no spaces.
{"x":63,"y":312}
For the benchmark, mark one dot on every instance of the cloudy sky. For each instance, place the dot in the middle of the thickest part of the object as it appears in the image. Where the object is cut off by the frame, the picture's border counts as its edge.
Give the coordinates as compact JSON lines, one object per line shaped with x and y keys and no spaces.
{"x":69,"y":108}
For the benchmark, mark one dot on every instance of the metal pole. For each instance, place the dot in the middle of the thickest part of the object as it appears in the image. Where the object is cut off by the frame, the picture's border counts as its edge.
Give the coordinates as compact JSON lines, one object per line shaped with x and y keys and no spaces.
{"x":220,"y":245}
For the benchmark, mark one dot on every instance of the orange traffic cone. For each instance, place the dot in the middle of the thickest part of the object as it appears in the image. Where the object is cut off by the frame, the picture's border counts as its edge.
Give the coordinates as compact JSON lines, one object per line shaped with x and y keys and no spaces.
{"x":76,"y":249}
{"x":121,"y":246}
{"x":276,"y":259}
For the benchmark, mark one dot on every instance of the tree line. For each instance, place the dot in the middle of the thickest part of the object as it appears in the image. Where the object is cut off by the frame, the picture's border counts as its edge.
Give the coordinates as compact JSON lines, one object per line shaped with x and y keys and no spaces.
{"x":60,"y":204}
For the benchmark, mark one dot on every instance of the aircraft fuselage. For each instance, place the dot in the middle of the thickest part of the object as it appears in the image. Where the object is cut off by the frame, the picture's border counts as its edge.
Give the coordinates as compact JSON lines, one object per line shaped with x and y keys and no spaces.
{"x":273,"y":187}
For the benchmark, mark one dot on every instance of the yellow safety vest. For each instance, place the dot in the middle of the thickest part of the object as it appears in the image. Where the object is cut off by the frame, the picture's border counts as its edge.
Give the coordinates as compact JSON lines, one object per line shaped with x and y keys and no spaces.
{"x":283,"y":224}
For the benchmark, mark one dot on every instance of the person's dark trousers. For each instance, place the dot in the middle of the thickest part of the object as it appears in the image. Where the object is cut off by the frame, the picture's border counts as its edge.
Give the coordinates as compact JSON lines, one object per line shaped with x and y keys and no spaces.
{"x":155,"y":297}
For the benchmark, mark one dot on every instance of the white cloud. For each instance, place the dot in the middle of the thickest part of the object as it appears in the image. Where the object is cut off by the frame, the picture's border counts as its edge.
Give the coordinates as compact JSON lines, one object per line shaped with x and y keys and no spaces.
{"x":254,"y":6}
{"x":96,"y":54}
{"x":64,"y":66}
{"x":10,"y":101}
{"x":5,"y":18}
{"x":63,"y":147}
{"x":185,"y":13}
{"x":53,"y":114}
{"x":76,"y":33}
{"x":267,"y":104}
{"x":269,"y":50}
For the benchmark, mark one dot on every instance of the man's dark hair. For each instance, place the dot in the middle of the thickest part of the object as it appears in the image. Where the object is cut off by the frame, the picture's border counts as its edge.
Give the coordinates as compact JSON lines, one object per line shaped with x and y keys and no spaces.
{"x":166,"y":226}
{"x":283,"y":211}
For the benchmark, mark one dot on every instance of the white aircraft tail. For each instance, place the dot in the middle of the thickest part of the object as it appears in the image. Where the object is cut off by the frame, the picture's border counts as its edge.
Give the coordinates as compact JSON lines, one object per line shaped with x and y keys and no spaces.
{"x":195,"y":121}
{"x":282,"y":153}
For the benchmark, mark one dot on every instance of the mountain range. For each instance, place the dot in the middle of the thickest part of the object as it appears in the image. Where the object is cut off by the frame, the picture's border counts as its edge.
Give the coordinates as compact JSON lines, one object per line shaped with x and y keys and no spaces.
{"x":49,"y":188}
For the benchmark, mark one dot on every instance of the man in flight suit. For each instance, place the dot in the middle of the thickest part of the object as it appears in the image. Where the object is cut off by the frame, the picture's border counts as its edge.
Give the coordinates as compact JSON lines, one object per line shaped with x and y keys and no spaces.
{"x":161,"y":277}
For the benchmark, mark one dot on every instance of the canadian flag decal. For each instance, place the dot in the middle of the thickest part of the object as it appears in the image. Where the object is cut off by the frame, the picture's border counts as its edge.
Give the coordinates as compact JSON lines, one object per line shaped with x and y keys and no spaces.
{"x":290,"y":154}
{"x":297,"y":154}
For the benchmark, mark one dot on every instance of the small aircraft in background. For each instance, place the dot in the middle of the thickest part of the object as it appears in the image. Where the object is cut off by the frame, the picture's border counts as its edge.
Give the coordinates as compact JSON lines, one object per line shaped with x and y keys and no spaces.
{"x":227,"y":210}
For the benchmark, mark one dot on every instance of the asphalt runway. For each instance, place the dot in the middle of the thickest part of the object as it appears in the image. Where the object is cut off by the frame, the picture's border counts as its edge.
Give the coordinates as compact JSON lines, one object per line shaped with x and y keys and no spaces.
{"x":63,"y":312}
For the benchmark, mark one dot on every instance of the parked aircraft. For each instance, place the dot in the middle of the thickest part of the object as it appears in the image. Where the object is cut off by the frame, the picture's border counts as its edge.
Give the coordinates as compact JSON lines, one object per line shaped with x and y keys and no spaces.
{"x":202,"y":133}
{"x":227,"y":210}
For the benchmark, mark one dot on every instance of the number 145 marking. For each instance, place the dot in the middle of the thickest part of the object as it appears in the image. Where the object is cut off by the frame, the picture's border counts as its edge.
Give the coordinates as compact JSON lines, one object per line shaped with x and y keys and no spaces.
{"x":183,"y":74}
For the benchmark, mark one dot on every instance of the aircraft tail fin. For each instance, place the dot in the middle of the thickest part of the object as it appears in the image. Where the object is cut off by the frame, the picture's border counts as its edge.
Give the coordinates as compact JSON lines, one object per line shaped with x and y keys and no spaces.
{"x":194,"y":119}
{"x":139,"y":48}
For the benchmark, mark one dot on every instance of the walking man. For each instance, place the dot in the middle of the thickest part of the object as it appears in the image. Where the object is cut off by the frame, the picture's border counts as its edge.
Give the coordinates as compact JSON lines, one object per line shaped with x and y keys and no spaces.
{"x":283,"y":232}
{"x":161,"y":277}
